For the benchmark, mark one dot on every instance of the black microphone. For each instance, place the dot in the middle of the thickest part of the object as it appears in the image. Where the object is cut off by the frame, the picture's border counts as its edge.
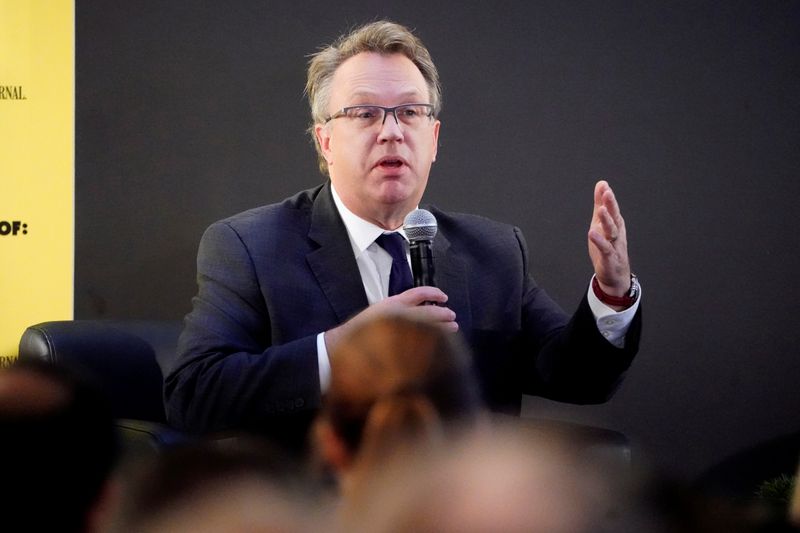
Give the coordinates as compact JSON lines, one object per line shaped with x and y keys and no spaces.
{"x":420,"y":227}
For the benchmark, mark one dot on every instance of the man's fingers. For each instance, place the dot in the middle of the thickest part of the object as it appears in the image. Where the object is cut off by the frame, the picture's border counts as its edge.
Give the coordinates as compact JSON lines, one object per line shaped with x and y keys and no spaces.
{"x":604,"y":197}
{"x":410,"y":303}
{"x":601,"y":242}
{"x":611,"y":204}
{"x":600,"y":188}
{"x":606,"y":225}
{"x":610,"y":226}
{"x":419,"y":295}
{"x":443,"y":316}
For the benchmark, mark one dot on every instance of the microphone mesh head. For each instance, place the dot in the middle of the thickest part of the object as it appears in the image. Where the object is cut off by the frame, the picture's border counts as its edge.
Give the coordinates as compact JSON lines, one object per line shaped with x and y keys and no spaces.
{"x":420,"y":225}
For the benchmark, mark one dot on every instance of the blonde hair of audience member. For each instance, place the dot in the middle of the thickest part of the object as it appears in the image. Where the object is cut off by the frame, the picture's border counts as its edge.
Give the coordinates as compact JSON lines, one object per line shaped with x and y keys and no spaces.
{"x":397,"y":384}
{"x":506,"y":480}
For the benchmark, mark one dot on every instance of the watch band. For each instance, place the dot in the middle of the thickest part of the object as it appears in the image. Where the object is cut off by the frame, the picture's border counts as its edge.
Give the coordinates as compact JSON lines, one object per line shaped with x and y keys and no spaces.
{"x":626,"y":300}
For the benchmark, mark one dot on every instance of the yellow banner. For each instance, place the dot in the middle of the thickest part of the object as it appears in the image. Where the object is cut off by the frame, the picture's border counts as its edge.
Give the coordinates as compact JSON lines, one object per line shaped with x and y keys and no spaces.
{"x":37,"y":165}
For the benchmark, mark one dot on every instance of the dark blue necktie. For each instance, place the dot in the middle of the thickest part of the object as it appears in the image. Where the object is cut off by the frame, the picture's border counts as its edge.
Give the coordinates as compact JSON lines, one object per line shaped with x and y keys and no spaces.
{"x":400,"y":276}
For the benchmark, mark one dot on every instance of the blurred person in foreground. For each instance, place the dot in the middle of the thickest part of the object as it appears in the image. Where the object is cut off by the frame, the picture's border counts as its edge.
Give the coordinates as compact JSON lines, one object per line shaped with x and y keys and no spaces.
{"x":506,"y":479}
{"x":280,"y":285}
{"x":398,"y":386}
{"x":59,"y":447}
{"x":236,"y":485}
{"x":517,"y":478}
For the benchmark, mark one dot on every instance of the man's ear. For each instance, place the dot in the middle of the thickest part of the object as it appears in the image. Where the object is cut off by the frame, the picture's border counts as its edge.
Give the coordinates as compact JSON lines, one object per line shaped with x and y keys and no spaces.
{"x":333,"y":451}
{"x":436,"y":127}
{"x":323,"y":136}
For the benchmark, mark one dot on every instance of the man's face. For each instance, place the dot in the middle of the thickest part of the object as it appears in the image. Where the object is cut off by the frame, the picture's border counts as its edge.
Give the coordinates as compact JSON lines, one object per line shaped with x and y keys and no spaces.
{"x":381,"y":171}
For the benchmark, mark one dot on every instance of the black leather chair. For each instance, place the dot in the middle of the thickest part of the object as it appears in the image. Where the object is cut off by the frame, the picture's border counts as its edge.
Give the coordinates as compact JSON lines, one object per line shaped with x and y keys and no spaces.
{"x":120,"y":355}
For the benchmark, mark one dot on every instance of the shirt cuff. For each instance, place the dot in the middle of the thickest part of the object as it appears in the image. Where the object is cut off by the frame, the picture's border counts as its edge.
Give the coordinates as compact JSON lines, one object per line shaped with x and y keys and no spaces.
{"x":324,"y":364}
{"x":611,"y":324}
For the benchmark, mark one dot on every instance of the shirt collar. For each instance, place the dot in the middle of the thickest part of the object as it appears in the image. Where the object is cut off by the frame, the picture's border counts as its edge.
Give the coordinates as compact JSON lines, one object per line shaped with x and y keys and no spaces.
{"x":361,"y":232}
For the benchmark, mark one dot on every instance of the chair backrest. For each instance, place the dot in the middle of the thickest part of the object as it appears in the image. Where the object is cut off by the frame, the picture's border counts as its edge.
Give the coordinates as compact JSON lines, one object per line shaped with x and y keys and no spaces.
{"x":119,"y":354}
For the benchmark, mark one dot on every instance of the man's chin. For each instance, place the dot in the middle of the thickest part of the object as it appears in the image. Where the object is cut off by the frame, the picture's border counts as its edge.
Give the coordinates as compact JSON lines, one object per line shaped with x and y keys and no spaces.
{"x":391,"y":191}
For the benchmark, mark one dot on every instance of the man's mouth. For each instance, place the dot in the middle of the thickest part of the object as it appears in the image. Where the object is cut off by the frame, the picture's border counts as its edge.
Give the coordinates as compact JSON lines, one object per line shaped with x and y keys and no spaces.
{"x":390,"y":162}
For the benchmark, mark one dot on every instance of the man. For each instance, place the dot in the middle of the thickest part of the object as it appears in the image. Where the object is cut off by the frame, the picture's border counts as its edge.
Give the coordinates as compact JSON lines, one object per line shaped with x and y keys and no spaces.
{"x":280,"y":284}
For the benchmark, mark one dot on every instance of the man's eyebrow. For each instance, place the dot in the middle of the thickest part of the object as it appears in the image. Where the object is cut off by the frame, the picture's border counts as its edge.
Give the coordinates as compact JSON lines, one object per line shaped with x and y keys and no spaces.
{"x":368,"y":96}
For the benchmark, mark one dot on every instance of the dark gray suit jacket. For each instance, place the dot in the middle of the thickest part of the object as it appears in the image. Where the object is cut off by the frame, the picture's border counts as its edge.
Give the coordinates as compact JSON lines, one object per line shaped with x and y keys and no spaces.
{"x":272,"y":278}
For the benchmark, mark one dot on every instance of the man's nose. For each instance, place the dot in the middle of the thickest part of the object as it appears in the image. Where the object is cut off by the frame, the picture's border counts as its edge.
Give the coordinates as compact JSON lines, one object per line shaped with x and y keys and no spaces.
{"x":390,"y":128}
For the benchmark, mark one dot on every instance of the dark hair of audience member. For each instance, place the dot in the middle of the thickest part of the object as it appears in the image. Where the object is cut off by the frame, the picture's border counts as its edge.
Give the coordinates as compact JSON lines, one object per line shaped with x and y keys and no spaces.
{"x":59,"y":445}
{"x":396,"y":383}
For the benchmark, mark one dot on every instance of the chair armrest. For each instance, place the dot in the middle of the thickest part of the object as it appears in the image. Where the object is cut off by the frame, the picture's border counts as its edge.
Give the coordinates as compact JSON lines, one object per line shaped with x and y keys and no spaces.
{"x":119,"y":354}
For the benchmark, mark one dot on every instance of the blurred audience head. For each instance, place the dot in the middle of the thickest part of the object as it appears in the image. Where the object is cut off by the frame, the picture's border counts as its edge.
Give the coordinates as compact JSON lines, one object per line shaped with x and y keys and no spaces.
{"x":396,"y":383}
{"x":515,"y":478}
{"x":59,"y":446}
{"x":500,"y":480}
{"x":234,"y":485}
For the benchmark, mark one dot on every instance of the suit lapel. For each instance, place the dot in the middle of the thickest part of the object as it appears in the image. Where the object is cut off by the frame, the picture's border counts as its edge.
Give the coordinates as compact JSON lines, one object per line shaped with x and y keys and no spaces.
{"x":451,"y":278}
{"x":335,"y":268}
{"x":333,"y":262}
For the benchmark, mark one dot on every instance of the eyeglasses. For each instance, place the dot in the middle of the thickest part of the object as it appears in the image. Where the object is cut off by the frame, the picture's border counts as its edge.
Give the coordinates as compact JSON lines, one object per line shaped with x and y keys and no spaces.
{"x":365,"y":116}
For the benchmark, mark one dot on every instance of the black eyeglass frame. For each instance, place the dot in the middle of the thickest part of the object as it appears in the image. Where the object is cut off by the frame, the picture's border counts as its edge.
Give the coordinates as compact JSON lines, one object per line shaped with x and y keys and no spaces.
{"x":386,"y":110}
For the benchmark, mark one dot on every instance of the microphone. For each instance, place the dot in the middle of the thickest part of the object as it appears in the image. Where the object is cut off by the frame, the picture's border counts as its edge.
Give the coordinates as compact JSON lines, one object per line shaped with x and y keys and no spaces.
{"x":420,"y":227}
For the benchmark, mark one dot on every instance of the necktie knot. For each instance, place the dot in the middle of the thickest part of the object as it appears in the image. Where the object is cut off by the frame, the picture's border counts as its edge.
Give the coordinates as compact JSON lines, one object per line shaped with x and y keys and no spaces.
{"x":400,"y":276}
{"x":394,"y":243}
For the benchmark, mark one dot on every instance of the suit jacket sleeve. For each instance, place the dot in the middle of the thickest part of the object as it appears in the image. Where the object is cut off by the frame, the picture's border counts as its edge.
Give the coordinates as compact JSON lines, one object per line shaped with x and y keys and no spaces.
{"x":228,"y":371}
{"x":573,"y":363}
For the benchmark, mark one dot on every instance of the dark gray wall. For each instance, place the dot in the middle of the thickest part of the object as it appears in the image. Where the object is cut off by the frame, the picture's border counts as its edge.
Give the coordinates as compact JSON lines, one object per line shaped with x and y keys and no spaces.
{"x":191,"y":111}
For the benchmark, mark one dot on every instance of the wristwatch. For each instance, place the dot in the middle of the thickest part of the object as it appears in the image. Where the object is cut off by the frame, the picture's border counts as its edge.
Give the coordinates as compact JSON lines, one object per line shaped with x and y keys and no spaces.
{"x":626,"y":300}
